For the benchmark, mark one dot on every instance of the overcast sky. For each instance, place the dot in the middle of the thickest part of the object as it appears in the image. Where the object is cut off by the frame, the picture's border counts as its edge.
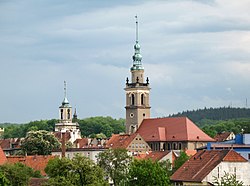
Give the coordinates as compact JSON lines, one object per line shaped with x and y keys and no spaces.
{"x":195,"y":53}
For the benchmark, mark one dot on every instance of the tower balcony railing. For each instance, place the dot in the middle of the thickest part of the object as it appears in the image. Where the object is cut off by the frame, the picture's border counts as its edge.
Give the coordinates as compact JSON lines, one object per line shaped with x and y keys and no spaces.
{"x":137,"y":84}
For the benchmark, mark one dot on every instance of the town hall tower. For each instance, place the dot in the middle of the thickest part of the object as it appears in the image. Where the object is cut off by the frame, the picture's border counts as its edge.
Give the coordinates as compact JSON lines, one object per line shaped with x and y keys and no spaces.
{"x":137,"y":92}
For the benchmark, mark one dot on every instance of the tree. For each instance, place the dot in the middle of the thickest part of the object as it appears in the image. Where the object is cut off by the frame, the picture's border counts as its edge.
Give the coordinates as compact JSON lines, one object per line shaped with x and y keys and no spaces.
{"x":79,"y":171}
{"x":18,"y":174}
{"x":99,"y":124}
{"x":180,"y":160}
{"x":39,"y":142}
{"x":115,"y":162}
{"x":147,"y":172}
{"x":3,"y":180}
{"x":227,"y":180}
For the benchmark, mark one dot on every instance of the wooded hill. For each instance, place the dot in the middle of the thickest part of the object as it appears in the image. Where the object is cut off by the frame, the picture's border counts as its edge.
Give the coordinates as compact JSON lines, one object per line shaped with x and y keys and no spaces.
{"x":210,"y":120}
{"x":217,"y":120}
{"x":223,"y":113}
{"x":90,"y":127}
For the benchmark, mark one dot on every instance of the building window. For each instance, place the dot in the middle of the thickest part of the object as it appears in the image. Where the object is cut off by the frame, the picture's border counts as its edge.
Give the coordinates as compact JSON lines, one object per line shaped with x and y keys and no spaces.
{"x":61,"y":113}
{"x":164,"y":146}
{"x":180,"y":146}
{"x":144,"y":114}
{"x":249,"y":156}
{"x":142,"y":99}
{"x":132,"y":99}
{"x":68,"y":113}
{"x":218,"y":172}
{"x":169,"y":146}
{"x":174,"y":146}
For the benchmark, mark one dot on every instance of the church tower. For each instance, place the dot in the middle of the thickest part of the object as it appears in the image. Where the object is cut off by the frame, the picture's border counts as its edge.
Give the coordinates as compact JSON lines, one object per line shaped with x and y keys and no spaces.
{"x":137,"y":92}
{"x":67,"y":123}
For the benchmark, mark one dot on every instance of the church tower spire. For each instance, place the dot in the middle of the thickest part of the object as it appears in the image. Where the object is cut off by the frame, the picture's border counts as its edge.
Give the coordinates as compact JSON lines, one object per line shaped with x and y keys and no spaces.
{"x":137,"y":91}
{"x":66,"y":122}
{"x":65,"y":108}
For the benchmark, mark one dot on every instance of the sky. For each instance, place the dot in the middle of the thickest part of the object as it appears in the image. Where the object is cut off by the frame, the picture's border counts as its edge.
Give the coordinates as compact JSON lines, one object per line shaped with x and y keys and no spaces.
{"x":195,"y":53}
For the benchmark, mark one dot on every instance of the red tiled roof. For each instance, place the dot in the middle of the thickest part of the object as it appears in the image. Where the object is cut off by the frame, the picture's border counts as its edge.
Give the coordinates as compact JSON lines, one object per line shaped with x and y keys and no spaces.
{"x":5,"y":143}
{"x":3,"y":158}
{"x":120,"y":140}
{"x":83,"y":142}
{"x":222,"y":136}
{"x":36,"y":162}
{"x":10,"y":143}
{"x":156,"y":155}
{"x":171,"y":129}
{"x":202,"y":163}
{"x":233,"y":156}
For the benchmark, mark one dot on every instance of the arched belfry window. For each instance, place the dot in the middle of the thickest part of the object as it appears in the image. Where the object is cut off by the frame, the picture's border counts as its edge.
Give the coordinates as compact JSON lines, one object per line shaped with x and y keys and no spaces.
{"x":61,"y":113}
{"x":68,"y":113}
{"x":132,"y":99}
{"x":142,"y":99}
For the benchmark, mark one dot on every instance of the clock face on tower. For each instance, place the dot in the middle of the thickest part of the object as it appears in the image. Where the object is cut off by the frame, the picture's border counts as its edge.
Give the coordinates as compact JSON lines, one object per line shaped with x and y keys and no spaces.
{"x":131,"y":115}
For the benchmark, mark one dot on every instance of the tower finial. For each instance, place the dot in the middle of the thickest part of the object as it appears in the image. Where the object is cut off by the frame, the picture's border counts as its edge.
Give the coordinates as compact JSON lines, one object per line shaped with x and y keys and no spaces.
{"x":65,"y":100}
{"x":137,"y":65}
{"x":136,"y":22}
{"x":65,"y":89}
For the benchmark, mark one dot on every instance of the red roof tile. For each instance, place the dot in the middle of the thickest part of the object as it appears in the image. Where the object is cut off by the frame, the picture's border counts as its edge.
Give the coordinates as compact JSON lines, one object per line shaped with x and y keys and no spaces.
{"x":233,"y":156}
{"x":3,"y":158}
{"x":202,"y":163}
{"x":5,"y":143}
{"x":120,"y":140}
{"x":222,"y":136}
{"x":171,"y":129}
{"x":83,"y":142}
{"x":157,"y":155}
{"x":36,"y":162}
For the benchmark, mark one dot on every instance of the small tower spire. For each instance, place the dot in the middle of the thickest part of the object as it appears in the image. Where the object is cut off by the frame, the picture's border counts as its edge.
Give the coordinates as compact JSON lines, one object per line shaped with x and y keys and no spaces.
{"x":75,"y":116}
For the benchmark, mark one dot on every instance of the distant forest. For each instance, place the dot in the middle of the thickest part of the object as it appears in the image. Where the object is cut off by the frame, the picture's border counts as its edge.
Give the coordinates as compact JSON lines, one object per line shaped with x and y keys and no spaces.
{"x":223,"y":113}
{"x":210,"y":120}
{"x":217,"y":120}
{"x":90,"y":127}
